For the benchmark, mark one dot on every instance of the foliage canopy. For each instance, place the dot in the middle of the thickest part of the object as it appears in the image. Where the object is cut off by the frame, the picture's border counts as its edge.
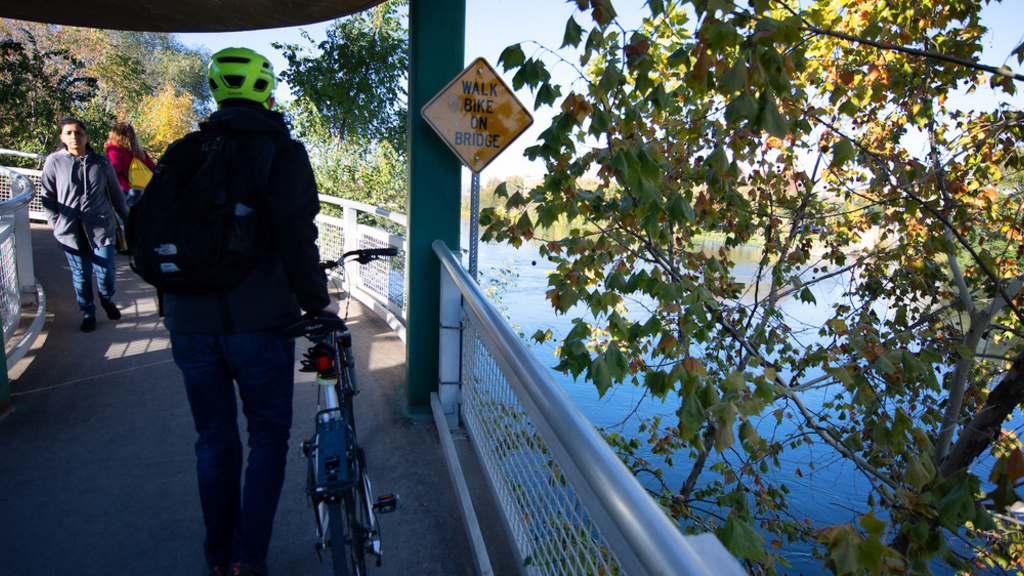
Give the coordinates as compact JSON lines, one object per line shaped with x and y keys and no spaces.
{"x":775,"y":120}
{"x":350,"y":107}
{"x":101,"y":76}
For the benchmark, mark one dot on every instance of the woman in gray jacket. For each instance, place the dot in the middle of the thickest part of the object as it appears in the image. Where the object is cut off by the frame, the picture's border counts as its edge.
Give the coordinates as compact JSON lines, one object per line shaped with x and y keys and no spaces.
{"x":80,"y":196}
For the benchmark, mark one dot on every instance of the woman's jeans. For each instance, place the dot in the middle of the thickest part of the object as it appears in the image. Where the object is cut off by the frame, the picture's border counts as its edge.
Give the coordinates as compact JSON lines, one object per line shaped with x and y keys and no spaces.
{"x":262,"y":364}
{"x":102,"y":260}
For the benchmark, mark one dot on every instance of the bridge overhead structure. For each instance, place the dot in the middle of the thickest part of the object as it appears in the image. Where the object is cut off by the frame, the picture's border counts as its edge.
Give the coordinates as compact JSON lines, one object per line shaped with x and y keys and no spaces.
{"x":437,"y":46}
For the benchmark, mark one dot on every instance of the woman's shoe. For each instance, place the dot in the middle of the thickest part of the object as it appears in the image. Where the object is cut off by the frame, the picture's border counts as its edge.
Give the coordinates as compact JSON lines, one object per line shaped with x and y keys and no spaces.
{"x":88,"y":324}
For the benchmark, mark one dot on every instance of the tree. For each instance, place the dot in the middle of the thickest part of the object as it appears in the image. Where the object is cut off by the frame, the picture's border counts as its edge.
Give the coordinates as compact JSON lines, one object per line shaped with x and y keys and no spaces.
{"x":165,"y":118}
{"x":37,"y":88}
{"x":350,"y":109}
{"x":765,"y":121}
{"x":126,"y":70}
{"x":357,"y":81}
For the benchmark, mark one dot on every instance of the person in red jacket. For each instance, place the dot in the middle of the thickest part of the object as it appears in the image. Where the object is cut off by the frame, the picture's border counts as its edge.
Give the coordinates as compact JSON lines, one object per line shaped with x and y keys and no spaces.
{"x":122,"y":146}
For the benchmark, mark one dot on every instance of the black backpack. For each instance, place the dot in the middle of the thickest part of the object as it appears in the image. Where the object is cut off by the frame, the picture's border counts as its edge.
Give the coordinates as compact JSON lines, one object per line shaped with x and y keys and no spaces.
{"x":196,"y":228}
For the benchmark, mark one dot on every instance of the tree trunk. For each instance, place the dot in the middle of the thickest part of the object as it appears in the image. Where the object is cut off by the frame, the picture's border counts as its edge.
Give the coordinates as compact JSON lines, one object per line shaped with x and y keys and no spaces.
{"x":987,"y":423}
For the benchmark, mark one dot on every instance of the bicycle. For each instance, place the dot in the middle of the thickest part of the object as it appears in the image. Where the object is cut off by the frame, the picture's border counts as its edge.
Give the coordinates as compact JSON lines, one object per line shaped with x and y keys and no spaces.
{"x":337,"y":483}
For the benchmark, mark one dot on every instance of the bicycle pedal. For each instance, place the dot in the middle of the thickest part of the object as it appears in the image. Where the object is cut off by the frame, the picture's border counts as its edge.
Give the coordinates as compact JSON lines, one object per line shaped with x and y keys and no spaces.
{"x":386,"y":503}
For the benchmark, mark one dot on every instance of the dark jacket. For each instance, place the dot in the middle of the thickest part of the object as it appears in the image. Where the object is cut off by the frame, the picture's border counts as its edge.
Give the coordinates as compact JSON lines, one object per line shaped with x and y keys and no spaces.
{"x":289,"y":277}
{"x":76,"y":197}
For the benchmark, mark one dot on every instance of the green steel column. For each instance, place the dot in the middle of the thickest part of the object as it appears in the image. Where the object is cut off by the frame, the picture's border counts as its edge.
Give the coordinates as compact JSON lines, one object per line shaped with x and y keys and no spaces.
{"x":437,"y":41}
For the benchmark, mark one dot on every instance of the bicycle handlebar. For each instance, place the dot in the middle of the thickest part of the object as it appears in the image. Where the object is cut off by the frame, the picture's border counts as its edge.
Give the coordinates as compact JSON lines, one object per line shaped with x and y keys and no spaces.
{"x":363,"y":256}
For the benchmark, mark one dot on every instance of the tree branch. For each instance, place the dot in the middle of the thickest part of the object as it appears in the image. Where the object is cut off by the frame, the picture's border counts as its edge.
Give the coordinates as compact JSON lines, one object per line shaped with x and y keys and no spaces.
{"x":1005,"y":72}
{"x":978,"y":435}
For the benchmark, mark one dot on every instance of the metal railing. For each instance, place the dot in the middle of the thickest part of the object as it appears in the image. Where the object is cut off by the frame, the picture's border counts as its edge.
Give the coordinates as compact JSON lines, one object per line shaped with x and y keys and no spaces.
{"x":379,"y":285}
{"x":569,"y":504}
{"x":18,"y":286}
{"x":35,"y":204}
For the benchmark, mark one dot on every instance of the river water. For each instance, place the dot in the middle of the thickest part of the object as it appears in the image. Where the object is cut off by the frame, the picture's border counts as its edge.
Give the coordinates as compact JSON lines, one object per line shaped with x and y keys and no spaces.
{"x":826,"y":493}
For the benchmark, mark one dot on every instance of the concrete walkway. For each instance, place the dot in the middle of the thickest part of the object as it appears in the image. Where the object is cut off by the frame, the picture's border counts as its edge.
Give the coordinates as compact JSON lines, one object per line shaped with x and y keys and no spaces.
{"x":97,"y":470}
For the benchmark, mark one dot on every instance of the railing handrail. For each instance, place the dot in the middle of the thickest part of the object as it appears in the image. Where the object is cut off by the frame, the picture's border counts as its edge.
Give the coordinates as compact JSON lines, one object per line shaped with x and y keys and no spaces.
{"x":396,"y":217}
{"x":32,"y":155}
{"x":642,"y":536}
{"x":21,"y":198}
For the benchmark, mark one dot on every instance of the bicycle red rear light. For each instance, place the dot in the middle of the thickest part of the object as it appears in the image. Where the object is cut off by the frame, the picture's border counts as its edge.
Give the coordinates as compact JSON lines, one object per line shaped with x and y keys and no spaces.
{"x":323,"y":363}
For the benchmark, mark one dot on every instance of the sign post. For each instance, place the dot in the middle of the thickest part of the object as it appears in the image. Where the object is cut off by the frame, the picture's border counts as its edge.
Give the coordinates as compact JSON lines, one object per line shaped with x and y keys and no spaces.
{"x":477,"y":116}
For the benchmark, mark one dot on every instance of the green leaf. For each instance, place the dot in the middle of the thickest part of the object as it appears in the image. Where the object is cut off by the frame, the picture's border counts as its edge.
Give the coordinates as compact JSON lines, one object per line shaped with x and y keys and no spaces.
{"x":882,"y":364}
{"x":680,"y":57}
{"x":807,"y":296}
{"x":916,"y":474}
{"x":742,"y":106}
{"x":691,"y":415}
{"x":841,"y":374}
{"x":718,"y":161}
{"x":724,"y":438}
{"x":873,"y":526}
{"x":512,"y":57}
{"x":771,"y":120}
{"x":748,"y":433}
{"x":741,"y":540}
{"x":600,"y":122}
{"x":844,"y":555}
{"x":957,"y":505}
{"x":842,"y":152}
{"x":599,"y":375}
{"x":573,"y":34}
{"x":546,"y":94}
{"x":912,"y":366}
{"x":616,"y":362}
{"x":658,"y":383}
{"x":735,"y":78}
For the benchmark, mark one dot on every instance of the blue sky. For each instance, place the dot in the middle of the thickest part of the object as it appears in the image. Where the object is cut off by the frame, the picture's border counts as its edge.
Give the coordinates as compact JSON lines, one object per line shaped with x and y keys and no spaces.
{"x":491,"y":25}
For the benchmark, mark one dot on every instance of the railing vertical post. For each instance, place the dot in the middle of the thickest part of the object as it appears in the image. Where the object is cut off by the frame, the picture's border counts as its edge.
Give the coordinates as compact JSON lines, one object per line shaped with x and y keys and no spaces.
{"x":350,"y":216}
{"x":450,"y":349}
{"x":23,"y":256}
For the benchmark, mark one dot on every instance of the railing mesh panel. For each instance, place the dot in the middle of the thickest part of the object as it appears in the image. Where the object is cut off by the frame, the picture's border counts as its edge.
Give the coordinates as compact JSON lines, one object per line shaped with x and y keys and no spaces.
{"x":548,"y":523}
{"x":35,"y":207}
{"x":10,"y":293}
{"x":384,"y":278}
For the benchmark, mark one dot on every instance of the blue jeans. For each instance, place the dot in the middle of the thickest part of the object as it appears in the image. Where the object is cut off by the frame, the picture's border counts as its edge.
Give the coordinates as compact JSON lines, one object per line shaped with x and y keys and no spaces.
{"x":82,"y":265}
{"x":262,"y":364}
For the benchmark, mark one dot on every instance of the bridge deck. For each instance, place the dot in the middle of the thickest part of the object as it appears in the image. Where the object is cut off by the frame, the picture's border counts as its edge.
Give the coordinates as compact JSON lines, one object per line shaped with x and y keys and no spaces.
{"x":97,"y":470}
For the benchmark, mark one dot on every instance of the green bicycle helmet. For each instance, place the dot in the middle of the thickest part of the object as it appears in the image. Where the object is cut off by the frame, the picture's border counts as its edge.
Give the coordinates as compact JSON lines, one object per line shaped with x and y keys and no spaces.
{"x":240,"y":73}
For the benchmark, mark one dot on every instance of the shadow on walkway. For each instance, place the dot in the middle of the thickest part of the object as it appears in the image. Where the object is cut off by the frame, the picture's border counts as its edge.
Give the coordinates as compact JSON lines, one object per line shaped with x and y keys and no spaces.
{"x":97,"y":470}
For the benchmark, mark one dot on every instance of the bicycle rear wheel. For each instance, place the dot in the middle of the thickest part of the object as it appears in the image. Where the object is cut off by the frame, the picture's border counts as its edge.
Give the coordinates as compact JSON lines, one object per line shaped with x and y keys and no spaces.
{"x":359,"y":527}
{"x":341,"y":547}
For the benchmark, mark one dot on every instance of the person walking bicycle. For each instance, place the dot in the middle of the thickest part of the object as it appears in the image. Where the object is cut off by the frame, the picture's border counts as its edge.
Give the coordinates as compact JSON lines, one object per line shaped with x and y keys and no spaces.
{"x":221,"y":339}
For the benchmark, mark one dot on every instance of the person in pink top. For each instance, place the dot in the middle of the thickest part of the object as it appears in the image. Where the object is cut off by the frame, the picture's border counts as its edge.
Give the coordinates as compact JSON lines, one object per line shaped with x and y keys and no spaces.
{"x":122,"y":146}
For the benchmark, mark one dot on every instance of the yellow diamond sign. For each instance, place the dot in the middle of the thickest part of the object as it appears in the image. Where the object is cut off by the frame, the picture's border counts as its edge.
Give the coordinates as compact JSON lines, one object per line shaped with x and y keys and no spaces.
{"x":477,"y":115}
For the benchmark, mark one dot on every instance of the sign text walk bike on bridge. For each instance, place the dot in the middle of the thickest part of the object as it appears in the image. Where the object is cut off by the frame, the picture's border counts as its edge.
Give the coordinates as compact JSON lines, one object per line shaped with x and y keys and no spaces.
{"x":477,"y":115}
